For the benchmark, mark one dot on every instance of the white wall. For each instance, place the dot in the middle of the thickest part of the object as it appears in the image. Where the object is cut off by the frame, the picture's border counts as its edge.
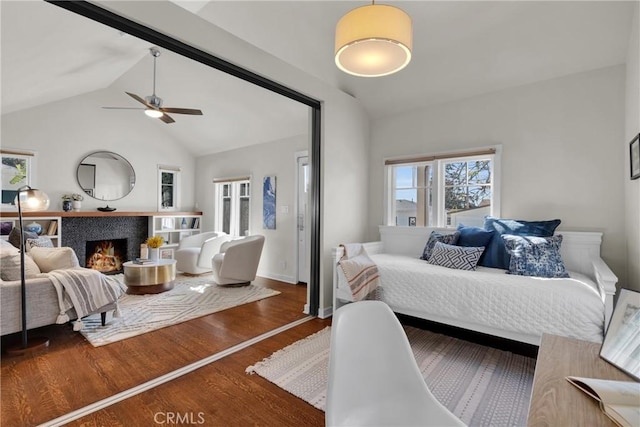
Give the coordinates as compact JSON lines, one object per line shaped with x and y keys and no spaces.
{"x":62,"y":133}
{"x":274,"y":158}
{"x":560,"y":155}
{"x":345,"y":126}
{"x":632,"y":128}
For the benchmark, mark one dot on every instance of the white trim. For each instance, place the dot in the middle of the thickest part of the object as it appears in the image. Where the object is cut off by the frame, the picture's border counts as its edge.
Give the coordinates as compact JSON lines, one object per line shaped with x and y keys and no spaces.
{"x":297,"y":156}
{"x":177,"y":181}
{"x":438,"y":178}
{"x":111,"y":400}
{"x":287,"y":279}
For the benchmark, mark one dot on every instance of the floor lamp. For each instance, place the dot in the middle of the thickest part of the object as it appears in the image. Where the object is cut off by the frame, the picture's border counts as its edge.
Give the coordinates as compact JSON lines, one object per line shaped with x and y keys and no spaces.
{"x":29,"y":200}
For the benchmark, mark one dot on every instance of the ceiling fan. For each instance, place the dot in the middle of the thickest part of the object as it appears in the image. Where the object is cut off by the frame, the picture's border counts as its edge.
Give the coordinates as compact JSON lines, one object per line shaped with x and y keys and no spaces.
{"x":153,"y":103}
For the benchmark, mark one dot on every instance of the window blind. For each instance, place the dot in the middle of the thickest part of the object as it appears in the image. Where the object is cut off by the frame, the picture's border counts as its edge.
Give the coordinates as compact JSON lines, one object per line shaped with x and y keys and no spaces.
{"x":420,"y":159}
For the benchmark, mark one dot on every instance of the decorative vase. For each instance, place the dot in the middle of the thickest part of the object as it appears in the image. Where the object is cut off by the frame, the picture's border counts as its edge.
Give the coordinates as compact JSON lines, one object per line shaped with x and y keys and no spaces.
{"x":66,"y":205}
{"x":34,"y":227}
{"x":77,"y":204}
{"x":153,"y":253}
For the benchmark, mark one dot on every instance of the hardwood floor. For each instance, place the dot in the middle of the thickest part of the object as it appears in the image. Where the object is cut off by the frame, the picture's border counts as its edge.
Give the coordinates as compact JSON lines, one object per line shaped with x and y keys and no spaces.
{"x":72,"y":374}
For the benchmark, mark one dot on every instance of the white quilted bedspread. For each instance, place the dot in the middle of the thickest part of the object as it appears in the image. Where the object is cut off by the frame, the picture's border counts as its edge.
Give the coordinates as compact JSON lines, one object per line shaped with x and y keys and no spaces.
{"x":569,"y":307}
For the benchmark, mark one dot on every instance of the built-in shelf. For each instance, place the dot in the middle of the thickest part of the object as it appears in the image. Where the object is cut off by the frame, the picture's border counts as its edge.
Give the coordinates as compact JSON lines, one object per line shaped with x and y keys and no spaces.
{"x":50,"y":225}
{"x":174,"y":227}
{"x":73,"y":214}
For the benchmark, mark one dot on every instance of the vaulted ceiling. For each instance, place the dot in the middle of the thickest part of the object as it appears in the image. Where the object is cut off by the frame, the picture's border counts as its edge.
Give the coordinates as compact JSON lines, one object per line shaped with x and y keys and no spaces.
{"x":461,"y":49}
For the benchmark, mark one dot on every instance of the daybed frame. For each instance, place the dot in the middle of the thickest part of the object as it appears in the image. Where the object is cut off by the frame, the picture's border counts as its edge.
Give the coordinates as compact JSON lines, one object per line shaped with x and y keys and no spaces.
{"x":580,"y":253}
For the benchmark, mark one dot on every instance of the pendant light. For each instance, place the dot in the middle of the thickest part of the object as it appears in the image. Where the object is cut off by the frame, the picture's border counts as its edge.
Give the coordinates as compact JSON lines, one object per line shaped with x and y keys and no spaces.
{"x":373,"y":41}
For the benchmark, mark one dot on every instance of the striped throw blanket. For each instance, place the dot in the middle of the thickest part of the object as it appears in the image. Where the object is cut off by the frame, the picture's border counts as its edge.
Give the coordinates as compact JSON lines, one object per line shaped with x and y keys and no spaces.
{"x":360,"y":270}
{"x":85,"y":290}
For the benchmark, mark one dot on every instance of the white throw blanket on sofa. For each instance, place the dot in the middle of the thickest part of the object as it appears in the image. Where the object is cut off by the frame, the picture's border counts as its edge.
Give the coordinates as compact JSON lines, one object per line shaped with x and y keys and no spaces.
{"x":85,"y":290}
{"x":360,"y":270}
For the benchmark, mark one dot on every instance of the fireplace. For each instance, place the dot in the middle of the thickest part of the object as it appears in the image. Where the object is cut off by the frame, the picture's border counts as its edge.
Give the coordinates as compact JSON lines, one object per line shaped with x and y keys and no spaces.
{"x":106,"y":256}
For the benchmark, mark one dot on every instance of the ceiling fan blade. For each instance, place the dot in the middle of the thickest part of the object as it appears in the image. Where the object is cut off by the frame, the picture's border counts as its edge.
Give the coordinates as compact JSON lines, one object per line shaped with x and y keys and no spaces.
{"x":182,"y":111}
{"x":123,"y":108}
{"x":140,"y":100}
{"x":167,"y":119}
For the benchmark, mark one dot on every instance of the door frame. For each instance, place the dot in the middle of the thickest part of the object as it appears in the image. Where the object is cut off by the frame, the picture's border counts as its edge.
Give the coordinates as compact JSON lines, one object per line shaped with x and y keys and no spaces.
{"x":157,"y":38}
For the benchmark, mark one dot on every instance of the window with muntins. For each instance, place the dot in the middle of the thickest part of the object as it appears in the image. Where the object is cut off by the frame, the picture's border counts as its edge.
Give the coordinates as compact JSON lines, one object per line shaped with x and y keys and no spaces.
{"x":233,"y":206}
{"x":442,"y":190}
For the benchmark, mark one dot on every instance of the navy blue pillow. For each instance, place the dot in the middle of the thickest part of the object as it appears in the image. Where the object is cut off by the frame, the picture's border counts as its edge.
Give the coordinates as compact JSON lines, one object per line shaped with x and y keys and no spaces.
{"x":474,"y":237}
{"x":495,"y":254}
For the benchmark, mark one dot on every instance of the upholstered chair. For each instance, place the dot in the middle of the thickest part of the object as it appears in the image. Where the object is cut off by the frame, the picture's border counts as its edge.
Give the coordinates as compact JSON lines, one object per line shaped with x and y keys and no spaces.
{"x":194,"y":253}
{"x":373,"y":376}
{"x":237,"y":262}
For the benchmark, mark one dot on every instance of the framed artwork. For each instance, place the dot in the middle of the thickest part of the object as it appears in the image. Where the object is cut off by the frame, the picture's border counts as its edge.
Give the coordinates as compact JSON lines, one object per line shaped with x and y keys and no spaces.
{"x":412,"y":221}
{"x":621,"y":345}
{"x":166,"y":253}
{"x":269,"y":202}
{"x":634,"y":157}
{"x":16,"y":172}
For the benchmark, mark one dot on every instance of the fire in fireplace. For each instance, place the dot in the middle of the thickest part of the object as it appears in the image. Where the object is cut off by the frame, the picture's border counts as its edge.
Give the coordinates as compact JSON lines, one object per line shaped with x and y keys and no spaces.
{"x":106,"y":256}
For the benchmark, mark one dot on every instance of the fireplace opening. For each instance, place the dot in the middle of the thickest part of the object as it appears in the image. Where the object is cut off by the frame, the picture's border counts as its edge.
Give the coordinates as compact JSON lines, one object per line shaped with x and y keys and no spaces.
{"x":106,"y":256}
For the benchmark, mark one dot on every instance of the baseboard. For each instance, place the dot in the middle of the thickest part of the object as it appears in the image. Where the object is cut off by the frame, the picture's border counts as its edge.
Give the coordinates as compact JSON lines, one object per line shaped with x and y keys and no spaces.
{"x":325,"y":312}
{"x":278,"y":277}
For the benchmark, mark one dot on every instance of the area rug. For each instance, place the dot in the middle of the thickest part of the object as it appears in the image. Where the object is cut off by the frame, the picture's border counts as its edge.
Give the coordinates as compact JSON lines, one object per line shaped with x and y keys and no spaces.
{"x":191,"y":297}
{"x":482,"y":386}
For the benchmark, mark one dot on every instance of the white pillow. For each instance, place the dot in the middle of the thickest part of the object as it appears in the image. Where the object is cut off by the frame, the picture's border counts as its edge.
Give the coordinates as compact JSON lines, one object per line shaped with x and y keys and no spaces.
{"x":10,"y":265}
{"x":54,"y":258}
{"x":6,"y":246}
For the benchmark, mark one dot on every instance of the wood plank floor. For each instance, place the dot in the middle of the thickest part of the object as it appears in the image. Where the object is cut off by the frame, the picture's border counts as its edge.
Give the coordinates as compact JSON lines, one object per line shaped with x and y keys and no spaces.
{"x":71,"y":373}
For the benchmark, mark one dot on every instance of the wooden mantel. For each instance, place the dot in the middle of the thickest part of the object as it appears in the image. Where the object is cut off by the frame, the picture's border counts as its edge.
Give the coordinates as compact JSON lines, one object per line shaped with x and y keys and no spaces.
{"x":73,"y":214}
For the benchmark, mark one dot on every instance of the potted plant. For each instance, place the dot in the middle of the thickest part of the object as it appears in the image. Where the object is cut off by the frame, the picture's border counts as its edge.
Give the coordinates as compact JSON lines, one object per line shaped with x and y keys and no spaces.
{"x":154,"y":243}
{"x":76,"y":201}
{"x":67,"y":202}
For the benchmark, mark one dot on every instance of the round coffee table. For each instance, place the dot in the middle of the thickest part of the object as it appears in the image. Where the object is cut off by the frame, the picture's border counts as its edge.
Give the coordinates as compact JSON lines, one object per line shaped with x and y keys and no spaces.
{"x":151,"y":278}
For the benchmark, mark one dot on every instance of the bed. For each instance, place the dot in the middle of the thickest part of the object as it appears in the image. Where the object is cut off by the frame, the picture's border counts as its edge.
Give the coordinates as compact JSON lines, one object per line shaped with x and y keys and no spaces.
{"x":488,"y":300}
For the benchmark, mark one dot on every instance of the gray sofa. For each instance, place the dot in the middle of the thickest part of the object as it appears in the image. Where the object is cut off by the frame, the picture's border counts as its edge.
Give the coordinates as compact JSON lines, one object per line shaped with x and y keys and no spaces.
{"x":42,"y":300}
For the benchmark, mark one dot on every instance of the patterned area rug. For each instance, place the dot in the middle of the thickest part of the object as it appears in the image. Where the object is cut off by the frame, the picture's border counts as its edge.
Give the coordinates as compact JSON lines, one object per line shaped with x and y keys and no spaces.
{"x":482,"y":386}
{"x":191,"y":297}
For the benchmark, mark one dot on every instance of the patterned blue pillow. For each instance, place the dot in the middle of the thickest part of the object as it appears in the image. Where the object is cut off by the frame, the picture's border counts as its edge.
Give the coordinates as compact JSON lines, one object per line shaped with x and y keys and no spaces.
{"x":496,"y":255}
{"x":434,"y":237}
{"x":458,"y":257}
{"x":535,"y":256}
{"x":40,"y":242}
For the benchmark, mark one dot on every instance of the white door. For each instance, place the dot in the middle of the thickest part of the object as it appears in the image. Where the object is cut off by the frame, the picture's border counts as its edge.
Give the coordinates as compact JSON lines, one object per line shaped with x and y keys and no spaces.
{"x":303,"y":220}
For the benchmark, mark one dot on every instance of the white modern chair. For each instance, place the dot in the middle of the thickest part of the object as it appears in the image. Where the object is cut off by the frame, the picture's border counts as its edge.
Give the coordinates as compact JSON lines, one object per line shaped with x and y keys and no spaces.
{"x":194,"y":253}
{"x":238,"y":260}
{"x":374,"y":379}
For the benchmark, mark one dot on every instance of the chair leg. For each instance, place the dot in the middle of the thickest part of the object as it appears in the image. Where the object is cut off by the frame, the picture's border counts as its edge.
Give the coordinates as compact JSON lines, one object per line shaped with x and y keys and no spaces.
{"x":103,"y":317}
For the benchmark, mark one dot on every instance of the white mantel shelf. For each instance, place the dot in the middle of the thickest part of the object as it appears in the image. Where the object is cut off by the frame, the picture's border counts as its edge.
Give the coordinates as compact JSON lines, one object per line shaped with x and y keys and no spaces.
{"x":73,"y":214}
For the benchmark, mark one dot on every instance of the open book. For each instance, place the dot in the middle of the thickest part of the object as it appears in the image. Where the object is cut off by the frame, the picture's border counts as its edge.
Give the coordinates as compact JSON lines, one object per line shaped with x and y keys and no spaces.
{"x":619,"y":400}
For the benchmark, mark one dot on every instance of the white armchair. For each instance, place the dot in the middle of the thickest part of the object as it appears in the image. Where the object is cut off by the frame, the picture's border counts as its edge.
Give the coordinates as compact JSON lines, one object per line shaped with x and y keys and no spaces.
{"x":374,"y":379}
{"x":238,"y":260}
{"x":194,"y":253}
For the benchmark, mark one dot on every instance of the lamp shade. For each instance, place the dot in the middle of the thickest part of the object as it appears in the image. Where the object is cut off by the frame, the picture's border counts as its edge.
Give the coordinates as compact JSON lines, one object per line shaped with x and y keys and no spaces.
{"x":373,"y":41}
{"x":33,"y":200}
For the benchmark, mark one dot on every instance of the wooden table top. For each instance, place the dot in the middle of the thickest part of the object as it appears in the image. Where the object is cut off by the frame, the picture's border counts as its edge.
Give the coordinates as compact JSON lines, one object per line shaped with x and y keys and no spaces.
{"x":554,"y":401}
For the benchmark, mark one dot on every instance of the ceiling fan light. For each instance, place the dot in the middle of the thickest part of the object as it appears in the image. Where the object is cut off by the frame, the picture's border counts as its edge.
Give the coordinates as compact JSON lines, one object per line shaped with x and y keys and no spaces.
{"x":373,"y":41}
{"x":153,"y":113}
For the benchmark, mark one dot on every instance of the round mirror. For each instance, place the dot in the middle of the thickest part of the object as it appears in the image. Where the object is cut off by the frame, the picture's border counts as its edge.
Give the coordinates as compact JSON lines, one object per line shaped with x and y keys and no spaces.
{"x":104,"y":175}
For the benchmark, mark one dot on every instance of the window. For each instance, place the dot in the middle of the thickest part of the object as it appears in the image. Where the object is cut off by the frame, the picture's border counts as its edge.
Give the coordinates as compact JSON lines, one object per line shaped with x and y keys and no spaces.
{"x":168,"y":181}
{"x":443,"y":190}
{"x":233,"y":206}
